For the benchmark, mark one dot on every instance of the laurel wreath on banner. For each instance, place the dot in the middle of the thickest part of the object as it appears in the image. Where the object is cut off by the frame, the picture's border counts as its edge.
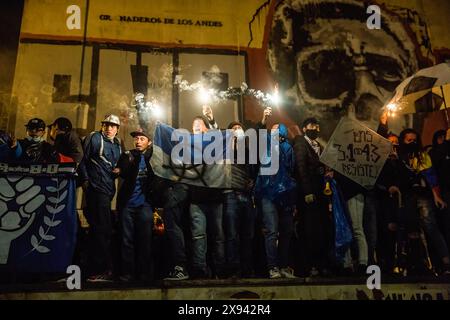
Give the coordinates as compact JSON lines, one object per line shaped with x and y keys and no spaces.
{"x":53,"y":207}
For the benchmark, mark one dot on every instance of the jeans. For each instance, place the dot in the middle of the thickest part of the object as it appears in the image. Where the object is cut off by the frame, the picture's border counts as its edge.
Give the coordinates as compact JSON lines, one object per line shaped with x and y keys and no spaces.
{"x":356,"y":210}
{"x":278,"y":224}
{"x":239,"y":217}
{"x":430,"y":227}
{"x":175,"y":204}
{"x":98,"y":215}
{"x":206,"y":219}
{"x":136,"y":226}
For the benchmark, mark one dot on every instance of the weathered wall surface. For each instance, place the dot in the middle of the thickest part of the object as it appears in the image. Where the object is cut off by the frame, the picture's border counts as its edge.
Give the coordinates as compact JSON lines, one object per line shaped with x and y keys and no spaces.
{"x":255,"y":290}
{"x":325,"y":59}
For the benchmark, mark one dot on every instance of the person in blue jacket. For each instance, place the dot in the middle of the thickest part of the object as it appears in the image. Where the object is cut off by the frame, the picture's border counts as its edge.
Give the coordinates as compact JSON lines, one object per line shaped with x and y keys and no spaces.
{"x":276,"y":197}
{"x":98,"y":173}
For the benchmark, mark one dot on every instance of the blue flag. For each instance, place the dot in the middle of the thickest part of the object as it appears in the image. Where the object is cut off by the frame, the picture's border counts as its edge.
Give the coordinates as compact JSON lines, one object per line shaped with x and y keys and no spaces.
{"x":38,"y":221}
{"x":188,"y":166}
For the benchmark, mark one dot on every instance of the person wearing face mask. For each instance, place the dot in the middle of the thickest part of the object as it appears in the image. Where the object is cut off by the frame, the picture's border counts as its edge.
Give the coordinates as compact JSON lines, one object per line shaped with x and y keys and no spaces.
{"x":98,"y":173}
{"x":313,"y":204}
{"x":381,"y":211}
{"x":421,"y":193}
{"x":380,"y":207}
{"x":239,"y":213}
{"x":440,"y":157}
{"x":34,"y":147}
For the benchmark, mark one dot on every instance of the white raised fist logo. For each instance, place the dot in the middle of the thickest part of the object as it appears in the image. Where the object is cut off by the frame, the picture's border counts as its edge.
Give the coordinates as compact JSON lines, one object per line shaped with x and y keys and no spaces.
{"x":13,"y":223}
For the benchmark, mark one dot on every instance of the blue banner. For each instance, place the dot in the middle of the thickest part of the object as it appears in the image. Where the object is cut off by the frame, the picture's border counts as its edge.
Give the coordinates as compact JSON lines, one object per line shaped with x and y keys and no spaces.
{"x":189,"y":164}
{"x":38,"y":221}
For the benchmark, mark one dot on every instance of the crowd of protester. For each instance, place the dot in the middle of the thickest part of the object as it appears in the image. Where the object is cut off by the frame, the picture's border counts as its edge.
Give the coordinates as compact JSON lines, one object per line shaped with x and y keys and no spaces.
{"x":284,"y":225}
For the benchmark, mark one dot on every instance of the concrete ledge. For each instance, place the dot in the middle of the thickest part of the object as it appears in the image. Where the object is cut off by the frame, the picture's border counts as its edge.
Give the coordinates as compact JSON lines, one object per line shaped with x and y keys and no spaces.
{"x":286,"y":289}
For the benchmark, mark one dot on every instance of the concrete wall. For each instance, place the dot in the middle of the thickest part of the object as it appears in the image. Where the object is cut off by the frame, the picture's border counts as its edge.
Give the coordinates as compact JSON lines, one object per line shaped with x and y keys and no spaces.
{"x":190,"y":37}
{"x":255,"y":292}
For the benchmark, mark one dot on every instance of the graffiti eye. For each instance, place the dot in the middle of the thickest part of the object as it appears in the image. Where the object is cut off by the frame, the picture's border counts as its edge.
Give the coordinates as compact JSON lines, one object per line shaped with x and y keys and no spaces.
{"x":390,"y":76}
{"x":387,"y":72}
{"x":327,"y":74}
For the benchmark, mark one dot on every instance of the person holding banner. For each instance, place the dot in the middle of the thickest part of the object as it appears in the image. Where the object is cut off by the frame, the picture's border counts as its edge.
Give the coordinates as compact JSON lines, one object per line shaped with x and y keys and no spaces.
{"x":98,"y":173}
{"x":175,"y":204}
{"x":380,"y":207}
{"x":136,"y":215}
{"x":206,"y":216}
{"x":34,"y":147}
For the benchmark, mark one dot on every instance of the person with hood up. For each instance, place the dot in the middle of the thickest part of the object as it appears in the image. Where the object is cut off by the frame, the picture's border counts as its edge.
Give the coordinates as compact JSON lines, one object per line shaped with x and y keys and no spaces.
{"x":275,"y":194}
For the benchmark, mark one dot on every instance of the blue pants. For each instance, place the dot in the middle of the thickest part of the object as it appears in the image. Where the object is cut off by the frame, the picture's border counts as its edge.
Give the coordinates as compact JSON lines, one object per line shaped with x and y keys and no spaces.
{"x":206,"y":219}
{"x":239,"y":223}
{"x":136,"y":225}
{"x":278,"y":224}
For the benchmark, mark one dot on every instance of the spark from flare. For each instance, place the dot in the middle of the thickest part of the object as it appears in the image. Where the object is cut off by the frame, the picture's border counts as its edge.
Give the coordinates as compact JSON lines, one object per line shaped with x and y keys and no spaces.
{"x":217,"y":96}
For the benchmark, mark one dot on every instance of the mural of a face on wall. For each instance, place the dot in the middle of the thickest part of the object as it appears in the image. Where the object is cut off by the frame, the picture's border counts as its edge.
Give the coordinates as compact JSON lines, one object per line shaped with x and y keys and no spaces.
{"x":329,"y":64}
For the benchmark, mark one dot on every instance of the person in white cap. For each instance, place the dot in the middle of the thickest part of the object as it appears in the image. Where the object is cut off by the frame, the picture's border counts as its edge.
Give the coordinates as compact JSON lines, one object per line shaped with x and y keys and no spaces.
{"x":98,"y":173}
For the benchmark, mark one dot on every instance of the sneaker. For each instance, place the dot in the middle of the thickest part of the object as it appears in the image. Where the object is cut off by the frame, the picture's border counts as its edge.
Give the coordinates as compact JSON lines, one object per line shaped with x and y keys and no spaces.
{"x":105,"y":277}
{"x":274,"y":273}
{"x":287,"y":273}
{"x":178,"y":273}
{"x":397,"y":271}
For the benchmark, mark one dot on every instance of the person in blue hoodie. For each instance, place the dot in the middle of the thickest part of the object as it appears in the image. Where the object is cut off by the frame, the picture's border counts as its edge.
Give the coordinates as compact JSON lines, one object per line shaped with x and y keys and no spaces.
{"x":9,"y":148}
{"x":275,"y":194}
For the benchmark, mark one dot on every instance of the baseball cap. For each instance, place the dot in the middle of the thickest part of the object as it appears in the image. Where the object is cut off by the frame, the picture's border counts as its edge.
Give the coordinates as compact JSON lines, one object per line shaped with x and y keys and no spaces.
{"x":140,"y":132}
{"x":35,"y":123}
{"x":63,"y":124}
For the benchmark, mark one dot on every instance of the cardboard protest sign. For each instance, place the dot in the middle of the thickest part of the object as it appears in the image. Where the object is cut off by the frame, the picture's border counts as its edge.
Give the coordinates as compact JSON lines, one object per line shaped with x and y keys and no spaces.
{"x":357,"y":152}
